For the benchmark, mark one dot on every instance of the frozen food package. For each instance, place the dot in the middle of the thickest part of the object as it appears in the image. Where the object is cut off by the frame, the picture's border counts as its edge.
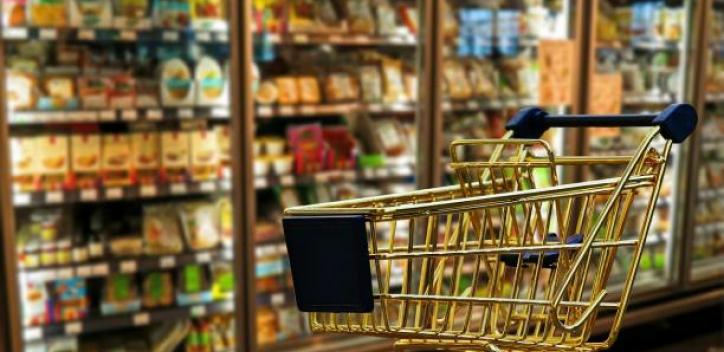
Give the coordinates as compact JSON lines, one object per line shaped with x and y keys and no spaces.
{"x":120,"y":295}
{"x":48,"y":13}
{"x":200,"y":222}
{"x":359,"y":17}
{"x":172,"y":13}
{"x":14,"y":14}
{"x":86,"y":164}
{"x":208,"y":14}
{"x":308,"y":90}
{"x":177,"y":86}
{"x":370,"y":83}
{"x":161,"y":230}
{"x":91,"y":13}
{"x":158,"y":290}
{"x":222,"y":280}
{"x":210,"y":82}
{"x":392,"y":78}
{"x":21,"y":90}
{"x":131,"y":13}
{"x":288,"y":90}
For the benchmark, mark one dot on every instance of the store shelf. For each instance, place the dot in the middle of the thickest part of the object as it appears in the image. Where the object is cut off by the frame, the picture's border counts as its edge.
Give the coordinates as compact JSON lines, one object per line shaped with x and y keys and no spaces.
{"x":122,"y":321}
{"x":478,"y":104}
{"x":127,"y":193}
{"x":645,"y":99}
{"x":118,"y":115}
{"x":714,"y":97}
{"x":331,"y":176}
{"x":640,"y":45}
{"x":269,"y":111}
{"x":710,"y":194}
{"x":709,"y":228}
{"x":126,"y":265}
{"x":148,"y":34}
{"x":343,"y":39}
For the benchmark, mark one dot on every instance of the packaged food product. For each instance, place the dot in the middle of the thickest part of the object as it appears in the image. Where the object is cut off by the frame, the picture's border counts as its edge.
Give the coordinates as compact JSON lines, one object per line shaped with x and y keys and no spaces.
{"x":120,"y":295}
{"x":340,"y":87}
{"x":482,"y":78}
{"x":86,"y":165}
{"x":193,"y":285}
{"x":222,"y":280}
{"x":91,"y":13}
{"x":389,"y":136}
{"x":210,"y":82}
{"x":409,"y":17}
{"x":200,"y":224}
{"x":370,"y":83}
{"x":325,"y":13}
{"x":341,"y":147}
{"x":146,"y":93}
{"x":273,"y":145}
{"x":157,"y":290}
{"x":267,"y":326}
{"x":288,"y":90}
{"x":69,"y":55}
{"x":54,"y":166}
{"x":94,"y":91}
{"x":34,"y":305}
{"x":116,"y":164}
{"x":161,"y":230}
{"x":131,"y":13}
{"x":177,"y":87}
{"x":48,"y":13}
{"x":282,"y":164}
{"x":262,"y":165}
{"x":359,"y":17}
{"x":69,"y":299}
{"x":25,"y":162}
{"x":302,"y":17}
{"x":123,"y":93}
{"x":208,"y":14}
{"x":385,"y":14}
{"x":267,"y":93}
{"x":144,"y":147}
{"x":126,"y":246}
{"x":307,"y":146}
{"x":176,"y":156}
{"x":410,"y":80}
{"x":204,"y":156}
{"x":308,"y":90}
{"x":58,"y":93}
{"x":457,"y":82}
{"x":21,"y":90}
{"x":14,"y":13}
{"x":290,"y":322}
{"x":223,"y":143}
{"x":392,"y":78}
{"x":172,"y":13}
{"x":226,"y":221}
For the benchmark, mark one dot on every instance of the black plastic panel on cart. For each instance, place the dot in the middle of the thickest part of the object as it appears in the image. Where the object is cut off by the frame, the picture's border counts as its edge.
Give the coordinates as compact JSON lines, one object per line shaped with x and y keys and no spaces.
{"x":330,"y":263}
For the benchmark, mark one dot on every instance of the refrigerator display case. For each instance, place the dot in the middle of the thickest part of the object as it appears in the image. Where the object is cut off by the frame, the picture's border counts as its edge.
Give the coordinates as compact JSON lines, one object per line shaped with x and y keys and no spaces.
{"x":118,"y":118}
{"x":639,"y":48}
{"x":501,"y":56}
{"x":707,"y":246}
{"x":336,"y":117}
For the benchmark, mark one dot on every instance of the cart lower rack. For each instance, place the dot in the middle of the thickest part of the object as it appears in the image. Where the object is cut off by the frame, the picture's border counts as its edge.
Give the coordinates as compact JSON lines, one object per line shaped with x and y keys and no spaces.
{"x":509,"y":259}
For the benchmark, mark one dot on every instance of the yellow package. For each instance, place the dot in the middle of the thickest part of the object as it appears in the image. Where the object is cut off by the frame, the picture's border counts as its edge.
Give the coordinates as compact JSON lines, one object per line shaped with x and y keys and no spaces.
{"x":144,"y":146}
{"x":48,"y":13}
{"x":54,"y":167}
{"x":25,"y":162}
{"x":86,"y":151}
{"x":288,"y":90}
{"x":116,"y":164}
{"x":204,"y":156}
{"x":308,"y":90}
{"x":175,"y":155}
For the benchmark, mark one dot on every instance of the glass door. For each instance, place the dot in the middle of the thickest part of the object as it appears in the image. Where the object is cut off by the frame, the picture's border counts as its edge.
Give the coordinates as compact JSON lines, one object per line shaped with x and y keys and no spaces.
{"x":708,"y":244}
{"x":640,"y":62}
{"x":500,"y":56}
{"x":335,"y":118}
{"x":118,"y":113}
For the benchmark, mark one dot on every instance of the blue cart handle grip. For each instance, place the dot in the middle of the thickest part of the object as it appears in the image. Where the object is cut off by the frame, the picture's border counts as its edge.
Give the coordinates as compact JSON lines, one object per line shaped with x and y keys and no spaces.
{"x":676,"y":122}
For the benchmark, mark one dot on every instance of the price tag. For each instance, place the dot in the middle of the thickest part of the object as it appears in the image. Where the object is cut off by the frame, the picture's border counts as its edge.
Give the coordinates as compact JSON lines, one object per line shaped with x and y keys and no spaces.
{"x":168,"y":261}
{"x":90,"y":194}
{"x":203,"y":257}
{"x":86,"y":34}
{"x":73,"y":328}
{"x":129,"y":115}
{"x":198,"y":311}
{"x":48,"y":33}
{"x":128,"y":35}
{"x":220,"y":112}
{"x":222,"y":37}
{"x":264,"y":111}
{"x":65,"y":273}
{"x":287,"y":180}
{"x":170,"y":36}
{"x":185,"y":113}
{"x":178,"y":188}
{"x":100,"y":270}
{"x":129,"y":266}
{"x":114,"y":193}
{"x":107,"y":115}
{"x":21,"y":198}
{"x":286,"y":110}
{"x":225,"y":185}
{"x":308,"y":110}
{"x":141,"y":319}
{"x":15,"y":33}
{"x":154,"y":114}
{"x":54,"y":197}
{"x":148,"y":191}
{"x":203,"y":36}
{"x":301,"y":38}
{"x":84,"y":271}
{"x":207,"y":186}
{"x":260,"y":182}
{"x":31,"y":334}
{"x":277,"y":299}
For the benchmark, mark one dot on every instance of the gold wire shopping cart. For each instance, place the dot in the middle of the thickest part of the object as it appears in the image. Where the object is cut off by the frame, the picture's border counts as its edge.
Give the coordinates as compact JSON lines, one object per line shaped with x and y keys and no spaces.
{"x":509,"y":259}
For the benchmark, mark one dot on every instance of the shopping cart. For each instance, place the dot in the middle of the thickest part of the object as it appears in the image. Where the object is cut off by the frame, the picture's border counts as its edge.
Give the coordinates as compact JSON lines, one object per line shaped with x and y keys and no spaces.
{"x":509,"y":259}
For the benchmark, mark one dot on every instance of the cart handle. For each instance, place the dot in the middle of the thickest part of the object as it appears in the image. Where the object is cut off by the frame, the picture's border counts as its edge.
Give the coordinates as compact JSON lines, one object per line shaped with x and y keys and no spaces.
{"x":676,"y":122}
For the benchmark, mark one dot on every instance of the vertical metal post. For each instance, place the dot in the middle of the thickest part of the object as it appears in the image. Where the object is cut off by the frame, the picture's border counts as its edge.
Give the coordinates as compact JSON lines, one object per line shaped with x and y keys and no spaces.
{"x":243,"y":194}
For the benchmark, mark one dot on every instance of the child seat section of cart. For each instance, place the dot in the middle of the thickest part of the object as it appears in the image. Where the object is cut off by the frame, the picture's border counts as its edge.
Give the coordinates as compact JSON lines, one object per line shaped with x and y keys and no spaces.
{"x":511,"y":258}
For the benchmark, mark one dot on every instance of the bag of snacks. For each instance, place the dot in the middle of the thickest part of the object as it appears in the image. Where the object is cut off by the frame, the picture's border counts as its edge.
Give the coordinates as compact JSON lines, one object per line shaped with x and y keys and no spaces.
{"x":201,"y":225}
{"x":161,"y":230}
